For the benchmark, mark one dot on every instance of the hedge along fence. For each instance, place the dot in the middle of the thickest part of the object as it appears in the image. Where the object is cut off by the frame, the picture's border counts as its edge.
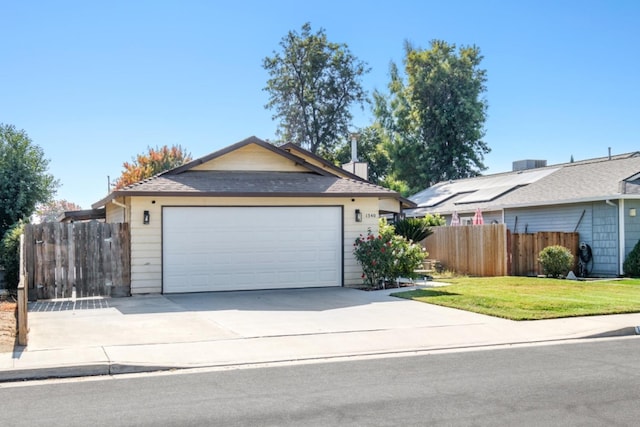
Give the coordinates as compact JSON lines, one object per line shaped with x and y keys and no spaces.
{"x":492,"y":250}
{"x":91,"y":257}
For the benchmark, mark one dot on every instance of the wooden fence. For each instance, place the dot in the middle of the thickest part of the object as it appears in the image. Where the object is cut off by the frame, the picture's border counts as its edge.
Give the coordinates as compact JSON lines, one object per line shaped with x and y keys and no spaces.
{"x":91,"y":258}
{"x":478,"y":250}
{"x":526,"y":247}
{"x":492,"y":250}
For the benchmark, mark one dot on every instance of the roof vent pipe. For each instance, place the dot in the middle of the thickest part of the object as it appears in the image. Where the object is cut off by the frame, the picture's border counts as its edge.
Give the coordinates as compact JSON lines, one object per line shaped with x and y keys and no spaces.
{"x":354,"y":147}
{"x":609,"y":153}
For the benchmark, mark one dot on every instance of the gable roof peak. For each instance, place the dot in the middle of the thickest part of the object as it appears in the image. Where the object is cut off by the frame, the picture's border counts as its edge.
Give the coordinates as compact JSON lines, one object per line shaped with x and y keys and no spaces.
{"x":291,"y":147}
{"x":247,"y":141}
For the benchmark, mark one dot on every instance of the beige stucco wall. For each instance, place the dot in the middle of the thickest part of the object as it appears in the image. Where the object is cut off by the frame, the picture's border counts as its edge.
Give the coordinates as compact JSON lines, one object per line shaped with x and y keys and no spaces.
{"x":116,"y":213}
{"x":390,"y":205}
{"x":252,"y":158}
{"x":146,"y":240}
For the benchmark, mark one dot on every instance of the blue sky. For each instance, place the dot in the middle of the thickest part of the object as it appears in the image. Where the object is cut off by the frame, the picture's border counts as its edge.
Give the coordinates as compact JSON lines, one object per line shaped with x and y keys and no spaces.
{"x":95,"y":83}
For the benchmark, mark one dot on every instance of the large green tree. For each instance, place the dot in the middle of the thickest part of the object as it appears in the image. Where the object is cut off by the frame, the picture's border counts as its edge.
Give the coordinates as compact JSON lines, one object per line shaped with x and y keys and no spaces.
{"x":24,"y":178}
{"x":313,"y":84}
{"x":435,"y":115}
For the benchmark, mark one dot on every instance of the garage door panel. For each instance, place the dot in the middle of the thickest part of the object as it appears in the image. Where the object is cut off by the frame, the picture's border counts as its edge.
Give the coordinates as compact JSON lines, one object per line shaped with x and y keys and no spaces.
{"x":220,"y":248}
{"x":328,"y":255}
{"x":328,"y":275}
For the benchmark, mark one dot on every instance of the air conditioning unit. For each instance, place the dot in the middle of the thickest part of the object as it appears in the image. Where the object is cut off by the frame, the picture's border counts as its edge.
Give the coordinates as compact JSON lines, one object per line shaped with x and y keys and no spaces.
{"x":521,"y":165}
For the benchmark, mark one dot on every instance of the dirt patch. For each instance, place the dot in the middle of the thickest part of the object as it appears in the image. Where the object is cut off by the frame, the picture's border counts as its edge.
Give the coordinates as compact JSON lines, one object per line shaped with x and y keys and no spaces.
{"x":8,"y":326}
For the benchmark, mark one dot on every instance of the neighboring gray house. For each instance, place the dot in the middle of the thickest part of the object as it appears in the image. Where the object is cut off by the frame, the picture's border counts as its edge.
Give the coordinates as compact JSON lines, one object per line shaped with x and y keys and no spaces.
{"x":599,"y":198}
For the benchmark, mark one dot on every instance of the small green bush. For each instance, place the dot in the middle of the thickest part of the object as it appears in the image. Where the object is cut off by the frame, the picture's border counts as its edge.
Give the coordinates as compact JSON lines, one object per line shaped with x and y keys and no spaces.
{"x":10,"y":255}
{"x":631,"y":264}
{"x":556,"y":260}
{"x":434,"y":220}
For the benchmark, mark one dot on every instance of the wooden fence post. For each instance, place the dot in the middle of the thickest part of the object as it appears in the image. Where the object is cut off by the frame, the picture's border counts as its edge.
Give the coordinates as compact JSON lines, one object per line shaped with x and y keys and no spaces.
{"x":23,"y":324}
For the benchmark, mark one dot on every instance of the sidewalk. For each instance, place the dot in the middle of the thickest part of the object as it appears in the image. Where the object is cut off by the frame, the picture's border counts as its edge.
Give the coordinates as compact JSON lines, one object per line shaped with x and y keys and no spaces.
{"x":156,"y":332}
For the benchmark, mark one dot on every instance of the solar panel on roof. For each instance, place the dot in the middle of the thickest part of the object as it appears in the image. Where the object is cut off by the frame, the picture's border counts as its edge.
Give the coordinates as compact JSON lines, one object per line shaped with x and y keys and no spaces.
{"x":480,"y":189}
{"x":435,"y":200}
{"x":486,"y":194}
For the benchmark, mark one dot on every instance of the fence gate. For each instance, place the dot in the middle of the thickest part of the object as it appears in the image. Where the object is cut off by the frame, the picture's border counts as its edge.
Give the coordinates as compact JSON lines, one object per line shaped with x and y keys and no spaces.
{"x":92,"y":257}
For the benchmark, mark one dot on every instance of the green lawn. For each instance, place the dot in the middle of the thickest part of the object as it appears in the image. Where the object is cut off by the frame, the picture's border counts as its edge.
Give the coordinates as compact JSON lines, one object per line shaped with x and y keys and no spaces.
{"x":530,"y":298}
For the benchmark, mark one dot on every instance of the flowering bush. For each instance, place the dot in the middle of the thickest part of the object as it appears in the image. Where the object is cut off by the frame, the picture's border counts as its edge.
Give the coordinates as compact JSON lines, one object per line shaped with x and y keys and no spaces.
{"x":386,"y":256}
{"x":408,"y":257}
{"x":374,"y":255}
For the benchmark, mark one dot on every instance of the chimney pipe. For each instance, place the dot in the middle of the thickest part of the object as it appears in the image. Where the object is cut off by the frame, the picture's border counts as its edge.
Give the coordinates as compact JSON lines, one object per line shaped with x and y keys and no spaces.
{"x":609,"y":153}
{"x":354,"y":148}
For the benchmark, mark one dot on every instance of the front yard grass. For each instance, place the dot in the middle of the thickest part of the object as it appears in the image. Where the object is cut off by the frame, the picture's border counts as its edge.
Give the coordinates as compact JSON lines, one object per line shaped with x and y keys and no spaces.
{"x":530,"y":298}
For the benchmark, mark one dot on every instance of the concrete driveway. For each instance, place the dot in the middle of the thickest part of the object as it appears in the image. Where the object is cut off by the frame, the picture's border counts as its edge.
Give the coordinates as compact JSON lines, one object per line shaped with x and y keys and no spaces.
{"x":143,"y":333}
{"x":157,"y":319}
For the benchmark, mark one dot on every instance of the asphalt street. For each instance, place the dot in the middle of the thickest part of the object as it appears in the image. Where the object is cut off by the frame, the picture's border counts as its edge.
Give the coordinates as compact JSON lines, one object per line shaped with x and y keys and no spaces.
{"x":589,"y":383}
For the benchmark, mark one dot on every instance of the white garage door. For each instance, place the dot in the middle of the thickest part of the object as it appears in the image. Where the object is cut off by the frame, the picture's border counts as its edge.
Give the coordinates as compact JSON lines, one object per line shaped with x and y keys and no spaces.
{"x":237,"y":248}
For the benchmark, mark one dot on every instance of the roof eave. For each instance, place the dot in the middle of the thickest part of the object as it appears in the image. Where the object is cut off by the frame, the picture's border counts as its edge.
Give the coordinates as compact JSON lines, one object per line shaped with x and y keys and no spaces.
{"x":407,"y":204}
{"x":292,"y":146}
{"x":502,"y":207}
{"x":572,"y":201}
{"x":82,"y":214}
{"x":132,"y":193}
{"x":105,"y":200}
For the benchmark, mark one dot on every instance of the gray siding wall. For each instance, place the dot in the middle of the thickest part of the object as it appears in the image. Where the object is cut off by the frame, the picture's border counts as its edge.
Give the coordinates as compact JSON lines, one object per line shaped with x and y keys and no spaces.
{"x":490,"y":217}
{"x":551,"y":218}
{"x":631,"y":226}
{"x":605,"y":240}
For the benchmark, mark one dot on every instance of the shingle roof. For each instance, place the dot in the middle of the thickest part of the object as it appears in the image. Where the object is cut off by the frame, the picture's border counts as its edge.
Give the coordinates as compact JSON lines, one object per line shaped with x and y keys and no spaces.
{"x":253,"y":183}
{"x":587,"y":180}
{"x":577,"y":182}
{"x":315,"y":182}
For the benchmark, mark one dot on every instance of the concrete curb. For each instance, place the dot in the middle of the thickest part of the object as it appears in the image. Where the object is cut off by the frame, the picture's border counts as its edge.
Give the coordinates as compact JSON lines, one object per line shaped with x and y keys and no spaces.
{"x":71,"y":371}
{"x":120,"y":368}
